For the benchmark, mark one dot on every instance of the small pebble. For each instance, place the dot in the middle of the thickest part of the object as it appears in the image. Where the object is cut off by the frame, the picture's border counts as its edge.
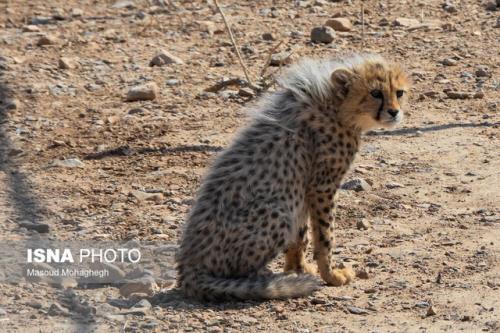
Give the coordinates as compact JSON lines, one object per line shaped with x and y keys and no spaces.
{"x":67,"y":63}
{"x":357,"y":184}
{"x":46,"y":40}
{"x":431,"y":311}
{"x":165,"y":58}
{"x":449,"y":62}
{"x":268,"y":36}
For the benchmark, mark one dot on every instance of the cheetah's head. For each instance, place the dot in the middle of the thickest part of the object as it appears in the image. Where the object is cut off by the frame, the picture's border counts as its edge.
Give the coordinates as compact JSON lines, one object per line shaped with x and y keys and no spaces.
{"x":371,"y":93}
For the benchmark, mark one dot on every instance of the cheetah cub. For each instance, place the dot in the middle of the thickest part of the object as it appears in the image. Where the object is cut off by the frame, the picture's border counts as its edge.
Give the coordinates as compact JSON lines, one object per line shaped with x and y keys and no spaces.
{"x":281,"y":171}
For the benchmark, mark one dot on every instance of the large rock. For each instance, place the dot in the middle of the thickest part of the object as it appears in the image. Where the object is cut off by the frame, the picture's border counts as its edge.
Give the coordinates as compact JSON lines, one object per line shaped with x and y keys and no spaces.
{"x":145,"y":92}
{"x":165,"y":58}
{"x":322,"y":34}
{"x":339,"y":24}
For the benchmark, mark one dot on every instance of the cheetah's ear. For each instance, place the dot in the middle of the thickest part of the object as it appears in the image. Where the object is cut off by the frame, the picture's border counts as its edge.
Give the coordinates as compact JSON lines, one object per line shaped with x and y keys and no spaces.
{"x":341,"y":80}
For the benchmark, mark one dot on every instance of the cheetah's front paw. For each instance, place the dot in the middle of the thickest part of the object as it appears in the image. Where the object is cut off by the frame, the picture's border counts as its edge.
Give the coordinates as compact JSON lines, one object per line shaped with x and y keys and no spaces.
{"x":338,"y":277}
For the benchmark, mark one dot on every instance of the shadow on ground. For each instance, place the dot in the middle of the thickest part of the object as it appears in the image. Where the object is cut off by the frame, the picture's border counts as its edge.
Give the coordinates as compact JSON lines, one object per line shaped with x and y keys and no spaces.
{"x":434,"y":128}
{"x":24,"y":202}
{"x":19,"y":192}
{"x":128,"y":151}
{"x":174,"y":298}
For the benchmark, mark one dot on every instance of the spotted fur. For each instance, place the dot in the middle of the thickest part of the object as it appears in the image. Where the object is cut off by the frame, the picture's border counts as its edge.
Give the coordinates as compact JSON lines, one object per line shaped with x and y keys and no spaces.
{"x":282,"y":170}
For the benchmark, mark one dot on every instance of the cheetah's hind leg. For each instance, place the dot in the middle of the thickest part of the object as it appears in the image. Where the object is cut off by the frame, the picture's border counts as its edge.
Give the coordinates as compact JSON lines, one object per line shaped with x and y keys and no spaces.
{"x":295,"y":255}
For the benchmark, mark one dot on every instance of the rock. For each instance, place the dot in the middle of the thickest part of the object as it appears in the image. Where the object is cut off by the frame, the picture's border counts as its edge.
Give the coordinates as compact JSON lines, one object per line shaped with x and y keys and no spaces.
{"x":246,"y":92}
{"x":339,"y":24}
{"x":208,"y":27}
{"x":322,"y":35}
{"x":68,"y":163}
{"x":228,"y":94}
{"x":41,"y":228}
{"x":76,"y":12}
{"x":491,"y":5}
{"x":67,"y":63}
{"x":363,"y":224}
{"x":497,"y":25}
{"x":57,"y":309}
{"x":140,"y":308}
{"x":357,"y":184}
{"x":41,"y":20}
{"x":135,"y":311}
{"x":116,"y":274}
{"x":405,"y":22}
{"x":280,"y":59}
{"x":63,"y":282}
{"x":478,"y":95}
{"x":165,"y":58}
{"x":458,"y":94}
{"x":247,"y":320}
{"x":449,"y":7}
{"x":150,"y":325}
{"x":58,"y":14}
{"x":449,"y":62}
{"x":268,"y":36}
{"x":394,"y":185}
{"x":31,"y":28}
{"x":2,"y":312}
{"x":482,"y":72}
{"x":143,"y":303}
{"x":173,"y":82}
{"x":431,"y":311}
{"x":46,"y":40}
{"x":136,"y":297}
{"x":145,"y":284}
{"x":34,"y":304}
{"x":145,"y":92}
{"x":123,"y":4}
{"x":422,"y":304}
{"x":356,"y":310}
{"x":362,"y":274}
{"x":120,"y":303}
{"x":136,"y":111}
{"x":144,"y":196}
{"x":10,"y":103}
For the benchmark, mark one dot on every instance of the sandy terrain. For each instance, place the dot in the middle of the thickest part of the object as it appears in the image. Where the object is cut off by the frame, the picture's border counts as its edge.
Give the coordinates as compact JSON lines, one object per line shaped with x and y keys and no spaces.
{"x":432,"y":247}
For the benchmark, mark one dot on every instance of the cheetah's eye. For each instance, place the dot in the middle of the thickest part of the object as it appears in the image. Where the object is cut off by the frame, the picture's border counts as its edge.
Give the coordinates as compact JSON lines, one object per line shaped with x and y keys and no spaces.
{"x":400,"y":93}
{"x":377,"y":94}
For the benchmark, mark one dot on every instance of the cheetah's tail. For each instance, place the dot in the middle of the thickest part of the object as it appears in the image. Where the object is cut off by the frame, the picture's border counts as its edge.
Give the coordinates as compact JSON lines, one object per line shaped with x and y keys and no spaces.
{"x":274,"y":286}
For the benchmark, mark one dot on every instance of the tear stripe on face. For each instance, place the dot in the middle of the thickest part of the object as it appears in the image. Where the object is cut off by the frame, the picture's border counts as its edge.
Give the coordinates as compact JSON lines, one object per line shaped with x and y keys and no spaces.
{"x":381,"y":108}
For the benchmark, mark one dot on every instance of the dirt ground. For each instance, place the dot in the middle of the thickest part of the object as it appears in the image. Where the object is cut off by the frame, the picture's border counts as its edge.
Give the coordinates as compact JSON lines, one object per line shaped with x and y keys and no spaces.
{"x":432,"y":245}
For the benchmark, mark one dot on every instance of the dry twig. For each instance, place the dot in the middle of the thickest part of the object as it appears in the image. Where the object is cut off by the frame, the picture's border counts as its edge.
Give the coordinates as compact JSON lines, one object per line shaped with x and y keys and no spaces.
{"x":362,"y":24}
{"x":268,"y":61}
{"x":230,"y":32}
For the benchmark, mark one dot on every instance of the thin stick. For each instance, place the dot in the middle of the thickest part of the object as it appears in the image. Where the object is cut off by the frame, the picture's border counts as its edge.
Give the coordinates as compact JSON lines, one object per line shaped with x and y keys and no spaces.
{"x":362,"y":24}
{"x":268,"y":61}
{"x":245,"y":70}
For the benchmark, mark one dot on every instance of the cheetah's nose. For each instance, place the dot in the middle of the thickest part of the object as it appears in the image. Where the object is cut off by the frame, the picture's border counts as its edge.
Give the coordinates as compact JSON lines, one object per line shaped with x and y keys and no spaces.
{"x":393,"y":112}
